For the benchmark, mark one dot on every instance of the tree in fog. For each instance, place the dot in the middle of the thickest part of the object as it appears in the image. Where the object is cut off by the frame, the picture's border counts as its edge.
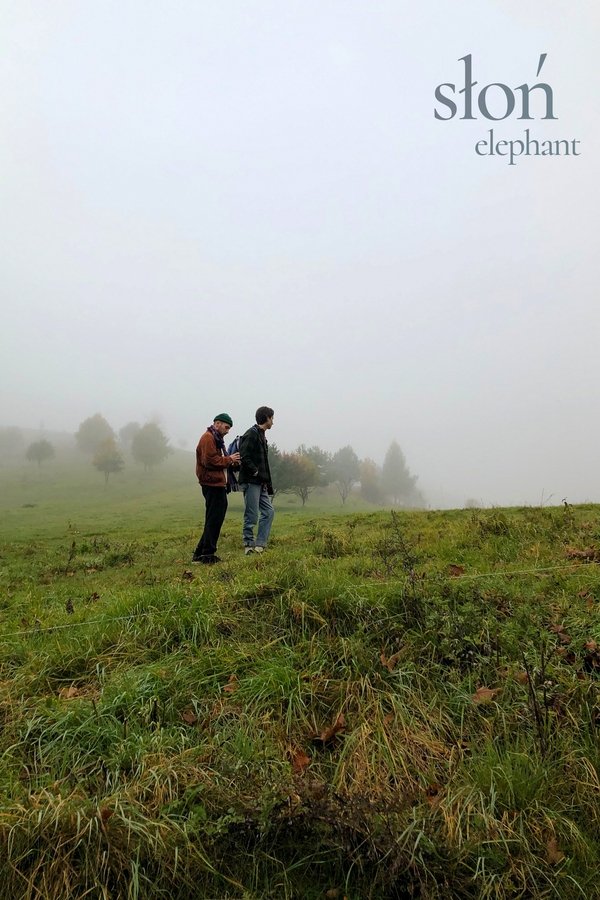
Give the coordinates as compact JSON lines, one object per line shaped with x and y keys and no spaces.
{"x":108,"y":459}
{"x":40,"y":451}
{"x":150,"y":446}
{"x":128,"y":432}
{"x":298,"y":475}
{"x":370,"y":481}
{"x":345,"y":470}
{"x":92,"y":433}
{"x":11,"y":443}
{"x":321,"y":459}
{"x":396,"y":480}
{"x":275,"y":463}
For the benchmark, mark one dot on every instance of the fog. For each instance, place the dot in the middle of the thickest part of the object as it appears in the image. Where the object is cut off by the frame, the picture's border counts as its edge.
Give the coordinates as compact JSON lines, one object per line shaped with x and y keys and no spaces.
{"x":212,"y":206}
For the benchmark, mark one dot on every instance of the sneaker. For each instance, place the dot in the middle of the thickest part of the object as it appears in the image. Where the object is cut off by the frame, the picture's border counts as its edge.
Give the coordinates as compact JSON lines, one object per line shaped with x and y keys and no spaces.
{"x":248,"y":551}
{"x":259,"y":549}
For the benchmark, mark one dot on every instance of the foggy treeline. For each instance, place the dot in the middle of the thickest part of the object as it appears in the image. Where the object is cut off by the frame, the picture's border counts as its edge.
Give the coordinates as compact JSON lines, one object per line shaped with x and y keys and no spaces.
{"x":299,"y":472}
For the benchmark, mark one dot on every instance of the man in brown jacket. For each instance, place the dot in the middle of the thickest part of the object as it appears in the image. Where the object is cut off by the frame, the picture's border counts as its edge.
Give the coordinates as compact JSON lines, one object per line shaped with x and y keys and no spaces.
{"x":211,"y":470}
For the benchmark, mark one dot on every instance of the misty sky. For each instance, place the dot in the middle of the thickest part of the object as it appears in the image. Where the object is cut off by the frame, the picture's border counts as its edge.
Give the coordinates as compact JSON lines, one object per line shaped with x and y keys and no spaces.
{"x":210,"y":206}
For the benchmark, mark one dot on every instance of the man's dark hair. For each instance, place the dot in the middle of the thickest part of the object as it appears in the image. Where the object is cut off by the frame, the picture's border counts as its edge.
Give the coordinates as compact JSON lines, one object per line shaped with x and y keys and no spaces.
{"x":263,"y":413}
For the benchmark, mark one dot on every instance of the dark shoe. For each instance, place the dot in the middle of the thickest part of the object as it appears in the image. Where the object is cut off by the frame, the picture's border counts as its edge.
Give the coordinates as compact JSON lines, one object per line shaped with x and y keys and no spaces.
{"x":207,"y":560}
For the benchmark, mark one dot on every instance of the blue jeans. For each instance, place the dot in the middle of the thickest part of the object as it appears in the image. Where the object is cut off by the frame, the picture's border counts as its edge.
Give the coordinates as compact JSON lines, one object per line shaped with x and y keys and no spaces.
{"x":256,"y":499}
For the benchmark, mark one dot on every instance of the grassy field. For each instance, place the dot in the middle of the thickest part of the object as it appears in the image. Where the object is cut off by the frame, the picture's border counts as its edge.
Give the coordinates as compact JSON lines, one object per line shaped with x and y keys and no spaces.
{"x":383,"y":705}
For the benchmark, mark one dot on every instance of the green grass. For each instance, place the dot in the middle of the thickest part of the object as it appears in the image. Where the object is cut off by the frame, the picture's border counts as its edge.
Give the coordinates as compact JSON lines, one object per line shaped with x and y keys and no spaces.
{"x":313,"y":720}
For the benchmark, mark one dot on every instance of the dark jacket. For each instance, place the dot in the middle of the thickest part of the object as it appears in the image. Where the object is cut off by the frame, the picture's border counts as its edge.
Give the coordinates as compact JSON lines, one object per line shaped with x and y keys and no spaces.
{"x":211,"y":465}
{"x":254,"y":450}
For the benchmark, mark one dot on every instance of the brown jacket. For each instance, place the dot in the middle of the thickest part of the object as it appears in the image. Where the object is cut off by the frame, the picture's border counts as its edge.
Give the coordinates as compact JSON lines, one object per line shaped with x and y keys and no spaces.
{"x":211,"y":465}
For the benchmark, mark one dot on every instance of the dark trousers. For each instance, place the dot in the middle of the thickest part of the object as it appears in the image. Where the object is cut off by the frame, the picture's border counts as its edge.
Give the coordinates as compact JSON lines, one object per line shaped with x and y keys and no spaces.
{"x":216,"y":507}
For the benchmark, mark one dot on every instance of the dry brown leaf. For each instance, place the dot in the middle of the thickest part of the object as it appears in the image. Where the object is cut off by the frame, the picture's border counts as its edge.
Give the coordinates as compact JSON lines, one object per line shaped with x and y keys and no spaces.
{"x":564,"y":638}
{"x":232,"y":685}
{"x":329,"y":733}
{"x":389,"y":663}
{"x":105,"y":814}
{"x":484,"y":695}
{"x":589,"y":554}
{"x":298,"y":759}
{"x":556,"y":628}
{"x":189,"y":717}
{"x":69,"y":693}
{"x":456,"y":570}
{"x":522,"y":677}
{"x":432,"y":794}
{"x":553,"y":854}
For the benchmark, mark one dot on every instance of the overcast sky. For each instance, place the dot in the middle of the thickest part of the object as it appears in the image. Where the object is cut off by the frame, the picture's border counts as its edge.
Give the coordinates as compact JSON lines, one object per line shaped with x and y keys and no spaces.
{"x":210,"y":206}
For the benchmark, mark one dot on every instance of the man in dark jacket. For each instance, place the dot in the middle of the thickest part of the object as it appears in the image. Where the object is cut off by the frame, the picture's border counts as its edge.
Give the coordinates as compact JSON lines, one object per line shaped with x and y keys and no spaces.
{"x":255,"y":482}
{"x":211,"y":471}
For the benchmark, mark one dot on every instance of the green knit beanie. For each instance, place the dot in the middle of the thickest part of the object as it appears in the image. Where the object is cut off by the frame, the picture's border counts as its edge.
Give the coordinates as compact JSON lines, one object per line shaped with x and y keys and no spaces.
{"x":223,"y":417}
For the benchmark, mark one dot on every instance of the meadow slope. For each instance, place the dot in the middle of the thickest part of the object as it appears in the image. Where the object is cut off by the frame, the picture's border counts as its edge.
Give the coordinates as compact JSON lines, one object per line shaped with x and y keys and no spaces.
{"x":384,"y":705}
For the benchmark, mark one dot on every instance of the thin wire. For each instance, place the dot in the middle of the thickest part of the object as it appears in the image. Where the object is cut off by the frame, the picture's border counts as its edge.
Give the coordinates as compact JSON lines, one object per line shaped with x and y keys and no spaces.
{"x":76,"y":625}
{"x":526,"y":571}
{"x":498,"y":574}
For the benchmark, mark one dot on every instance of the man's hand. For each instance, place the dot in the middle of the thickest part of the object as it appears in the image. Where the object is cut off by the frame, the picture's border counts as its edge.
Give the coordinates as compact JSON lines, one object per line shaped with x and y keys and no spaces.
{"x":235,"y":458}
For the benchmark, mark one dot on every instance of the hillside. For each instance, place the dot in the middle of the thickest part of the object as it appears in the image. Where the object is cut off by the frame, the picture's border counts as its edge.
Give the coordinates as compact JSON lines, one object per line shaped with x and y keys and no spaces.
{"x":384,"y":705}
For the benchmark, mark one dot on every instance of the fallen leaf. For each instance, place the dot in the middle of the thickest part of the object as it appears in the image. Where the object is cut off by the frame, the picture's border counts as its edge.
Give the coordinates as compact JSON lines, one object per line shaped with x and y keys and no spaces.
{"x":553,"y":854}
{"x":389,"y":719}
{"x":389,"y":663}
{"x":232,"y":685}
{"x":105,"y":814}
{"x":298,"y":759}
{"x":484,"y":695}
{"x":189,"y":717}
{"x":187,"y":575}
{"x":433,"y":794}
{"x":589,"y":554}
{"x":522,"y":677}
{"x":556,"y":629}
{"x":329,"y":733}
{"x":93,"y":598}
{"x":456,"y":570}
{"x":69,"y":693}
{"x":564,"y":638}
{"x":69,"y":606}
